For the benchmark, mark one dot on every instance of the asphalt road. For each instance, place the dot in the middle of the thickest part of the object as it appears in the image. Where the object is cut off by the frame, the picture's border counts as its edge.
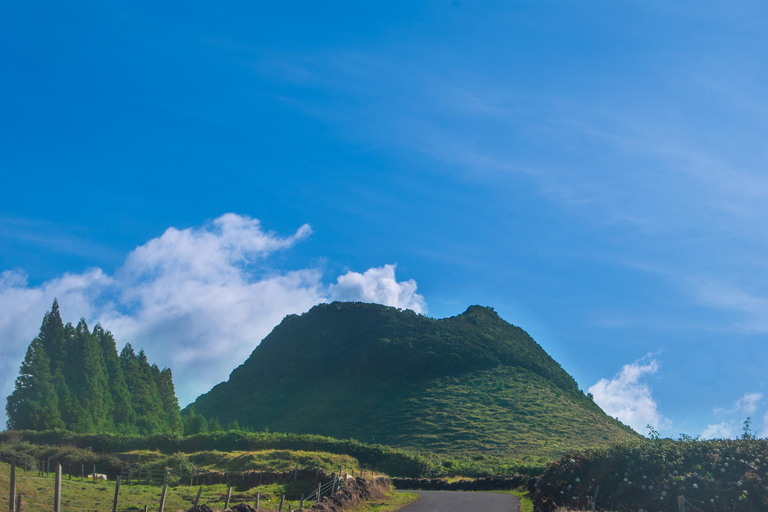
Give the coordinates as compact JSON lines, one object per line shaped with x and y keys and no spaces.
{"x":457,"y":501}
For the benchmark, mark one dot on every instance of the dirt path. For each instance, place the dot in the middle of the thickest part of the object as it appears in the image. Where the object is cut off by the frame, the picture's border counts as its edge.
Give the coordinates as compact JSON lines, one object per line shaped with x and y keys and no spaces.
{"x":457,"y":501}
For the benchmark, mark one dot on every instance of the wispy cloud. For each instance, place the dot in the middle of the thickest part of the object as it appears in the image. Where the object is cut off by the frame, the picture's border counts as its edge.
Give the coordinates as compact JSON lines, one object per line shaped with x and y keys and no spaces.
{"x":629,"y":399}
{"x":733,"y":417}
{"x":198,"y":300}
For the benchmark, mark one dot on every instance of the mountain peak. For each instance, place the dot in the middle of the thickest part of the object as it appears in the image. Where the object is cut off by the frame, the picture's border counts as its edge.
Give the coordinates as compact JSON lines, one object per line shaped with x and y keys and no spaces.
{"x":381,"y":374}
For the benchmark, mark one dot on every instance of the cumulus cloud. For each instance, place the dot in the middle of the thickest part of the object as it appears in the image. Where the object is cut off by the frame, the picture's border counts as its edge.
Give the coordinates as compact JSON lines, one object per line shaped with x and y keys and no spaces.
{"x":380,"y":286}
{"x":627,"y":398}
{"x":198,"y":300}
{"x":734,"y":417}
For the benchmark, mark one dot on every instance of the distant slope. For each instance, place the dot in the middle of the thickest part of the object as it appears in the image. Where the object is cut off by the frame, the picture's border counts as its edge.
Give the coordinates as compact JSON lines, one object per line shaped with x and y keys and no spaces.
{"x":471,"y":384}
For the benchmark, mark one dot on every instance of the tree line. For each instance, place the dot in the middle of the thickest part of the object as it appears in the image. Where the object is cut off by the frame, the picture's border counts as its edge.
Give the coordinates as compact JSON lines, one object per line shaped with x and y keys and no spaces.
{"x":73,"y":378}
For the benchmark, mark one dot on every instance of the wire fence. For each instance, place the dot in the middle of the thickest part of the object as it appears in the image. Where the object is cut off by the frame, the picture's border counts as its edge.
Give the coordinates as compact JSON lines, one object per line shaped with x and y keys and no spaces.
{"x":38,"y":495}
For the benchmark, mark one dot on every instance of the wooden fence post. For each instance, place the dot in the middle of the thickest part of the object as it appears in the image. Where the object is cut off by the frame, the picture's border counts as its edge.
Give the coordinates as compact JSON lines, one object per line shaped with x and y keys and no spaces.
{"x":301,"y":503}
{"x":594,"y":498}
{"x":229,"y":495}
{"x":57,"y":490}
{"x":296,"y":472}
{"x":681,"y":503}
{"x":48,"y":467}
{"x":162,"y":497}
{"x":82,"y":472}
{"x":282,"y":500}
{"x":258,"y":497}
{"x":12,"y":499}
{"x":94,"y":472}
{"x":117,"y":494}
{"x":319,"y":491}
{"x":18,"y":503}
{"x":197,"y":499}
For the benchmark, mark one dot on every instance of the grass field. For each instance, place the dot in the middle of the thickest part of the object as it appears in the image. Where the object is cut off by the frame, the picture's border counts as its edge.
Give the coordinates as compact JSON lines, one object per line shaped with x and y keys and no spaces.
{"x":89,"y":496}
{"x":76,"y":496}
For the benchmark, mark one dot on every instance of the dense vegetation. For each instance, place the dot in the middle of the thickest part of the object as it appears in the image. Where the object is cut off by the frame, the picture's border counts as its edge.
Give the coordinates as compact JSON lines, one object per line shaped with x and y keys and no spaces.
{"x":716,"y":476}
{"x":471,"y":384}
{"x":72,"y":378}
{"x":105,"y":449}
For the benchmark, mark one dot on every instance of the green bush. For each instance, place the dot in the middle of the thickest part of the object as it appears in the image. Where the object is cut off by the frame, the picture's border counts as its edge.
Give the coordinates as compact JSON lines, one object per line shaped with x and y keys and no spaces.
{"x":715,"y":476}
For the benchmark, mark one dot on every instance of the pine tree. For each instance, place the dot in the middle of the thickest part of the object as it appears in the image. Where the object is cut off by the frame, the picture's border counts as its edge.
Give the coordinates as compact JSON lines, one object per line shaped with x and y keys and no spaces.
{"x":53,"y":337}
{"x":121,"y":414}
{"x":87,"y":379}
{"x":33,"y":403}
{"x":168,"y":398}
{"x":144,"y":394}
{"x":88,"y":387}
{"x":194,"y":423}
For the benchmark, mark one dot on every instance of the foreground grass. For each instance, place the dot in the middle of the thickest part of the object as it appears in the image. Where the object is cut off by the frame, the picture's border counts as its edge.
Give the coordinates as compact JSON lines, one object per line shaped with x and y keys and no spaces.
{"x":76,"y":496}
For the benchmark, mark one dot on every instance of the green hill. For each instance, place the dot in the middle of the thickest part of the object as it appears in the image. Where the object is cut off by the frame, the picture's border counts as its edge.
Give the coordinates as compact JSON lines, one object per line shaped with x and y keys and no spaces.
{"x":472,"y":384}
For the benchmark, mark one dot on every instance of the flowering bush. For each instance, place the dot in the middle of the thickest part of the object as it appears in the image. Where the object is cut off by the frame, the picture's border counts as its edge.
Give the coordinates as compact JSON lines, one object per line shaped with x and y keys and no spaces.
{"x":715,"y":476}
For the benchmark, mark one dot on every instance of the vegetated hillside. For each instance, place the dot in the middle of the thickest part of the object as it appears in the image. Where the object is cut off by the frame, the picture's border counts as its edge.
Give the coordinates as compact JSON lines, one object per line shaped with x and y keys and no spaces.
{"x":469,"y":384}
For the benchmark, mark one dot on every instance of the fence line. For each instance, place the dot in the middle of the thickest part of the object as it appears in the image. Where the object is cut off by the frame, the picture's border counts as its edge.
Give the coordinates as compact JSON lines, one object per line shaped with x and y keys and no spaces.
{"x":59,"y":503}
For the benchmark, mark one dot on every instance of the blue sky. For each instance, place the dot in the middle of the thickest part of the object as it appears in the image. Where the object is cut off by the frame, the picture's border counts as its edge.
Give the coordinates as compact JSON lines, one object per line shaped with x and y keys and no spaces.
{"x":188,"y":174}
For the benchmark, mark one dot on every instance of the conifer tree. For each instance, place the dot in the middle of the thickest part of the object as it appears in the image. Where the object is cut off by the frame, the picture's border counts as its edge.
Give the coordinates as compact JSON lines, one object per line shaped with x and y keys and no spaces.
{"x":33,"y":403}
{"x":87,"y":380}
{"x":88,"y":387}
{"x":143,"y":387}
{"x":168,"y":398}
{"x":121,"y":414}
{"x":194,"y":423}
{"x":53,"y":337}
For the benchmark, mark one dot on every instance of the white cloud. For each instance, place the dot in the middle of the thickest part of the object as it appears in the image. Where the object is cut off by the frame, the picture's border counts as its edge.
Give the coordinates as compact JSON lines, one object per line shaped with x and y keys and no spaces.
{"x":628,"y":399}
{"x":197,"y":300}
{"x":380,"y":286}
{"x":734,"y":417}
{"x":724,"y":430}
{"x":748,"y":403}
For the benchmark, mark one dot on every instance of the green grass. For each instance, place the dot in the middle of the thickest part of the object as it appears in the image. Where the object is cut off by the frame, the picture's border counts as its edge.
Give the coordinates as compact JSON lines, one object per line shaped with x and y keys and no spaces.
{"x":394,"y":501}
{"x":37,"y":494}
{"x":276,"y":461}
{"x":526,"y":504}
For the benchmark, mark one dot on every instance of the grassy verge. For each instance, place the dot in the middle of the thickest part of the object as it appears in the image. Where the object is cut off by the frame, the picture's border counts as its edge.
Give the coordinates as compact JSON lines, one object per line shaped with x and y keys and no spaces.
{"x":526,"y":504}
{"x":395,"y":501}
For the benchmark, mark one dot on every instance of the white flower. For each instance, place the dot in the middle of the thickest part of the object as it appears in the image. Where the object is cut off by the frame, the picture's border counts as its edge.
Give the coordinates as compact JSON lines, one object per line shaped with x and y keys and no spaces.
{"x":578,"y":480}
{"x":695,"y":486}
{"x":739,"y":483}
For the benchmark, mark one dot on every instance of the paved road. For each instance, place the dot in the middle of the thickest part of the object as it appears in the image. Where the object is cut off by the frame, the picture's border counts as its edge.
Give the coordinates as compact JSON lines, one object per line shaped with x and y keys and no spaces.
{"x":457,"y":501}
